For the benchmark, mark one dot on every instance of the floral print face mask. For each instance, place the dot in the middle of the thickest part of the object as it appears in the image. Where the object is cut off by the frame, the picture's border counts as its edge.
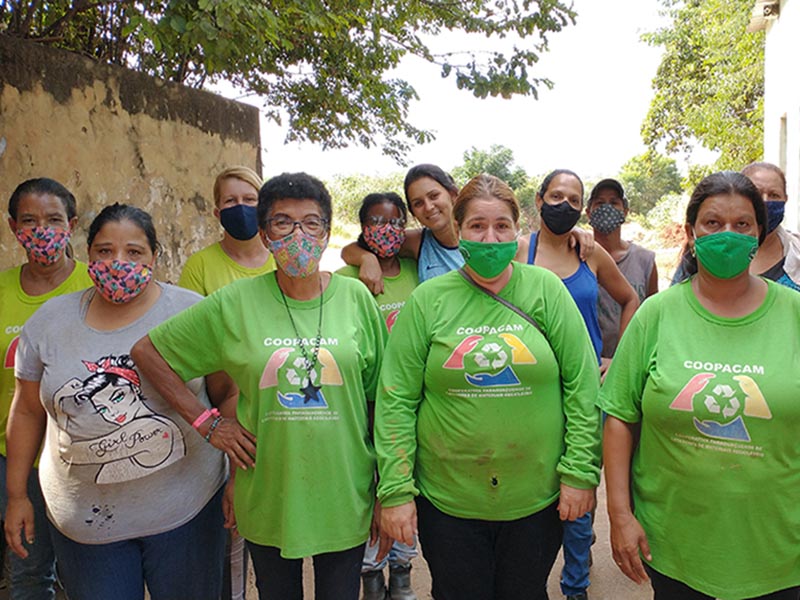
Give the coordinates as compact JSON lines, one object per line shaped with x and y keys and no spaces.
{"x":384,"y":240}
{"x":44,"y":245}
{"x":298,"y":254}
{"x":119,"y":281}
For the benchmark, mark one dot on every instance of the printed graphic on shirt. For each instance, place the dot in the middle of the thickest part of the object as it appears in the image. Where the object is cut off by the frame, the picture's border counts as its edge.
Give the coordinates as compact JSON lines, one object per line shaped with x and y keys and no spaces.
{"x":105,"y":421}
{"x":11,"y":351}
{"x":721,"y":403}
{"x":488,"y":361}
{"x":299,"y":388}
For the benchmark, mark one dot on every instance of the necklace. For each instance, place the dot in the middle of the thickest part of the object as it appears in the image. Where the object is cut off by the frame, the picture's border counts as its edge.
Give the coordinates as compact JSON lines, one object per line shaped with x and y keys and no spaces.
{"x":309,"y":390}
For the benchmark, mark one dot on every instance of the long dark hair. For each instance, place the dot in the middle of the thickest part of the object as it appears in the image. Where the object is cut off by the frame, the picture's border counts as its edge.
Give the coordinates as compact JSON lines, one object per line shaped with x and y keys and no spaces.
{"x":439,"y":175}
{"x":716,"y":184}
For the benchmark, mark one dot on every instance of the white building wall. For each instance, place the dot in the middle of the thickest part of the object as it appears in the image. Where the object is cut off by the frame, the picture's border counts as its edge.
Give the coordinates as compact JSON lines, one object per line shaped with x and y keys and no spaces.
{"x":782,"y":102}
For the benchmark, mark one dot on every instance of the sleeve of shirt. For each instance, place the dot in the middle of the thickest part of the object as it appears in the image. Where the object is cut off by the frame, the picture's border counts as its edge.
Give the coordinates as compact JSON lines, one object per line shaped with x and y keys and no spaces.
{"x":372,"y":342}
{"x":192,"y":341}
{"x":192,"y":275}
{"x":399,"y":394}
{"x":621,"y":394}
{"x":28,"y":364}
{"x":579,"y":466}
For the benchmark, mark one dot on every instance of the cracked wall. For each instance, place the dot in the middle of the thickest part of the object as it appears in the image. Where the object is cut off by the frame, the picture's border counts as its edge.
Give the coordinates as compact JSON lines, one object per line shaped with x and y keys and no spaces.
{"x":114,"y":135}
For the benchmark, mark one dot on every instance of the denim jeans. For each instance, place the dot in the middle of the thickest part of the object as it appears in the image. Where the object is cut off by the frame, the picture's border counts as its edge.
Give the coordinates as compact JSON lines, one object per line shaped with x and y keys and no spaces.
{"x":667,"y":588}
{"x":399,"y":554}
{"x":31,"y":578}
{"x":337,"y":575}
{"x":488,"y":560}
{"x":577,"y":545}
{"x":185,"y":562}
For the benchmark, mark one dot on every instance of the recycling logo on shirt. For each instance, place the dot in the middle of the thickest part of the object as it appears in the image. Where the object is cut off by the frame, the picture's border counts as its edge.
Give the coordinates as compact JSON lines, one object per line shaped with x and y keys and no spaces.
{"x":486,"y":361}
{"x":719,"y":410}
{"x":292,"y":380}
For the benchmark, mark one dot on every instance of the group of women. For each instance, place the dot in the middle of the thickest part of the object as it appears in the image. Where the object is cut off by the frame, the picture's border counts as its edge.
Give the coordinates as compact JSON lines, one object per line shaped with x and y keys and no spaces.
{"x":485,"y":397}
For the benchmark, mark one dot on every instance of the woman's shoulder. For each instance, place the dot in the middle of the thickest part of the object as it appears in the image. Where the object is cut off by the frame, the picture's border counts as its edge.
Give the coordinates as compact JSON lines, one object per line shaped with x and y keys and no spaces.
{"x":179,"y":295}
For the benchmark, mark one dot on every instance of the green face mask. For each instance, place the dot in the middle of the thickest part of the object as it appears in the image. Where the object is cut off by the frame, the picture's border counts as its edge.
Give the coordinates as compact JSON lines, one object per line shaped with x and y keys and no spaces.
{"x":727,"y":254}
{"x":488,"y":259}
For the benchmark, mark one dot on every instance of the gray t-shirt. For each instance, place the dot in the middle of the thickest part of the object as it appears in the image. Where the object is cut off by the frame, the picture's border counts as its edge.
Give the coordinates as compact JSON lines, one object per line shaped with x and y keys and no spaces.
{"x":118,"y":462}
{"x":636,"y":265}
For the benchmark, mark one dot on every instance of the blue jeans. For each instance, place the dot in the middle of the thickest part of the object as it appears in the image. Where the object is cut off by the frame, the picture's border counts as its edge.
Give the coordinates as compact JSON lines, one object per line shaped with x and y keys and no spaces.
{"x":488,"y":560}
{"x":337,"y":575}
{"x":577,"y":544}
{"x":185,"y":562}
{"x":399,"y":554}
{"x":31,"y":578}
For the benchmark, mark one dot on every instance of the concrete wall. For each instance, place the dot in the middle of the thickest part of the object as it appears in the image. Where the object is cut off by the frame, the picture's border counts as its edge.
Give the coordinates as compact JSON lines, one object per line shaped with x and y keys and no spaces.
{"x":782,"y":102}
{"x":114,"y":135}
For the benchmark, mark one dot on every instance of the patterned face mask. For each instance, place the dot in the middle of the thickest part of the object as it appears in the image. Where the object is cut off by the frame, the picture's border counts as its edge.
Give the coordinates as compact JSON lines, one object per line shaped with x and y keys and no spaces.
{"x":298,"y":254}
{"x":119,"y":281}
{"x":384,"y":240}
{"x":44,"y":245}
{"x":605,"y":218}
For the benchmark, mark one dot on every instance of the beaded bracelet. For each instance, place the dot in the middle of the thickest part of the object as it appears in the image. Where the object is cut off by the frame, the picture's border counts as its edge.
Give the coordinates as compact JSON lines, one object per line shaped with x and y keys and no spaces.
{"x":209,"y":412}
{"x":217,"y":420}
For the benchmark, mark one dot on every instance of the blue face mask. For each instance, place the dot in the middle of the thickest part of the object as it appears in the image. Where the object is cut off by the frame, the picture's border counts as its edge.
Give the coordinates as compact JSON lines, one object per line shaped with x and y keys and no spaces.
{"x":240,"y":221}
{"x":775,"y":209}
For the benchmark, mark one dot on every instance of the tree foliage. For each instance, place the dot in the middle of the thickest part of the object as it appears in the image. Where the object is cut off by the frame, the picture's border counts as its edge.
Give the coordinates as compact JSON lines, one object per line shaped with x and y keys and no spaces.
{"x":322,"y":65}
{"x":348,"y":192}
{"x":647,"y":178}
{"x":710,"y":84}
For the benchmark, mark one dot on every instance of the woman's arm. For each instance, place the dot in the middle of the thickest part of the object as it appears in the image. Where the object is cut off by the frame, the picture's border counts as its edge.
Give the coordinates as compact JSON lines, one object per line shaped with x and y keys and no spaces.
{"x":614,"y":282}
{"x":627,"y":536}
{"x":652,"y":282}
{"x":25,"y":431}
{"x":228,"y":436}
{"x":369,"y":269}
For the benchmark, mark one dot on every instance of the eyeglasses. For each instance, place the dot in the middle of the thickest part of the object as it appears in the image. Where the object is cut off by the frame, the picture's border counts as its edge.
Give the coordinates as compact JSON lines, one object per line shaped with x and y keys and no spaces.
{"x":398,"y":222}
{"x":283,"y":225}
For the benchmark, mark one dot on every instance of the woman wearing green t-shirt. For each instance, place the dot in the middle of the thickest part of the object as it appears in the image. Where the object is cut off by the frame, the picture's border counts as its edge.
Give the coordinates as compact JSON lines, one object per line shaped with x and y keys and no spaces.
{"x":42,"y":215}
{"x":705,"y":378}
{"x":485,"y":419}
{"x":304,"y":348}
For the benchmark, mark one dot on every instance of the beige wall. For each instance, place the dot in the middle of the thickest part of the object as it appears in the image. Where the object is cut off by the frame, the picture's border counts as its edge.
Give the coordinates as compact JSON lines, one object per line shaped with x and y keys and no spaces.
{"x":113,"y":135}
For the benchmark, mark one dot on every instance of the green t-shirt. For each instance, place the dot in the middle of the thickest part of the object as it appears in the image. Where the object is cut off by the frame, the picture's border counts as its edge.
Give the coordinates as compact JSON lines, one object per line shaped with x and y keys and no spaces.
{"x":312,"y":488}
{"x":210,"y":269}
{"x":476,"y":410}
{"x":396,"y":289}
{"x":16,"y":307}
{"x":716,"y":473}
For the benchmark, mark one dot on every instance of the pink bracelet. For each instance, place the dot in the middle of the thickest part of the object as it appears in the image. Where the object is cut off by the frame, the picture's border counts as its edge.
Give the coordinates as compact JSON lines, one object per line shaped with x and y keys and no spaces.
{"x":209,"y":412}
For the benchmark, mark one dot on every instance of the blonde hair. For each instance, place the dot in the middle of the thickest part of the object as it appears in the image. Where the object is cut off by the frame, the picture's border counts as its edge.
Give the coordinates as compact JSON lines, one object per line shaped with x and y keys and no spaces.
{"x":488,"y":187}
{"x":245,"y":174}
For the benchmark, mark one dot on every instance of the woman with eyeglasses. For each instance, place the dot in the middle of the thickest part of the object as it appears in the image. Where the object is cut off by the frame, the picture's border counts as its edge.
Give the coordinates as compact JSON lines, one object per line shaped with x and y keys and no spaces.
{"x":304,"y":348}
{"x":383,"y":231}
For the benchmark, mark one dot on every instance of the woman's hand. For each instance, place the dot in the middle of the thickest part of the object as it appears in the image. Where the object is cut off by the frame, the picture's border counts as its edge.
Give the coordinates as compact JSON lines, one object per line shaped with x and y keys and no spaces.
{"x":19,"y":521}
{"x":574,"y":502}
{"x":400,"y":522}
{"x":371,"y":274}
{"x":235,"y":441}
{"x":604,"y":364}
{"x":586,"y":241}
{"x":376,"y":534}
{"x":227,"y":504}
{"x":627,"y":539}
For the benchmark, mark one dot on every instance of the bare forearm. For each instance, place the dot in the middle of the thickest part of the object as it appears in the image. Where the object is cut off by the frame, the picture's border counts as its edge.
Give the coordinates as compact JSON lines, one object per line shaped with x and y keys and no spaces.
{"x":618,"y":442}
{"x":24,"y":435}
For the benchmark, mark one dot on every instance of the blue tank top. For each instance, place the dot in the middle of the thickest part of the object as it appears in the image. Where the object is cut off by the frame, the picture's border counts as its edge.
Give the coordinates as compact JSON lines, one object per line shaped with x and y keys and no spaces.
{"x":582,"y":286}
{"x":435,"y":258}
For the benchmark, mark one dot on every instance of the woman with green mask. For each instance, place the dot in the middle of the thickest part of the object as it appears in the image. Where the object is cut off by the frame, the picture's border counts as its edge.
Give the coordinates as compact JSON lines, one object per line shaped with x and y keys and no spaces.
{"x":486,"y":426}
{"x":702,"y":417}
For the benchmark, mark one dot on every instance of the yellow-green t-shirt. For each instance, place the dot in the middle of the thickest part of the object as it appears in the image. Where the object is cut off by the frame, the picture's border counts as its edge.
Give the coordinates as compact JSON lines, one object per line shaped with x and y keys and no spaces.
{"x":16,"y":307}
{"x":210,"y":269}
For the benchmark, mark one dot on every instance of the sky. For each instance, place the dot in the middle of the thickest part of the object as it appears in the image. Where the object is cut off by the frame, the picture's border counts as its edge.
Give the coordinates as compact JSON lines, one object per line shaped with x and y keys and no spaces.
{"x":590,"y":122}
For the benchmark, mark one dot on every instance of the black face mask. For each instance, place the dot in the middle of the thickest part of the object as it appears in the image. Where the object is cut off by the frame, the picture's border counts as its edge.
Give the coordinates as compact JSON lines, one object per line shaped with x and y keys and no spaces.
{"x":559,"y":218}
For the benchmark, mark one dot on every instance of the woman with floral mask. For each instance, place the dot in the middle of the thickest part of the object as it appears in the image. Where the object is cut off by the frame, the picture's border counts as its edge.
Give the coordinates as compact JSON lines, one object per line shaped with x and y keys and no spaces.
{"x":133,"y":493}
{"x":486,"y":426}
{"x":304,"y":348}
{"x":240,"y":253}
{"x":42,"y":215}
{"x":383,"y":221}
{"x":702,"y":418}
